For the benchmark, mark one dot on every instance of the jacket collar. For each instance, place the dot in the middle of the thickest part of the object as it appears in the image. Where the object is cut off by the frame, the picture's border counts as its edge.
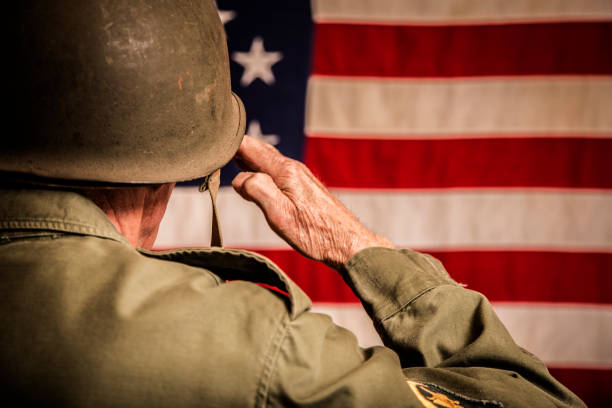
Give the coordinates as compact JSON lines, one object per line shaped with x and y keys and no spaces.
{"x":237,"y":264}
{"x":54,"y":210}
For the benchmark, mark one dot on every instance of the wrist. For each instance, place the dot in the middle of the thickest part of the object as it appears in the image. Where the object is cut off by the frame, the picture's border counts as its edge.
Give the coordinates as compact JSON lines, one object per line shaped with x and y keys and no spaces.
{"x":357,"y":243}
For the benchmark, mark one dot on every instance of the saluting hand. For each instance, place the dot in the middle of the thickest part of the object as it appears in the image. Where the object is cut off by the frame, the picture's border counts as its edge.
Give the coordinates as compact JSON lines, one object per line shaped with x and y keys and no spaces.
{"x":298,"y":207}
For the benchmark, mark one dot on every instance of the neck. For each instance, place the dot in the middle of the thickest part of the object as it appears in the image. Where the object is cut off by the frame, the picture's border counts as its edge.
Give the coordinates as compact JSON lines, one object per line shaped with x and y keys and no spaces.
{"x":136,"y":212}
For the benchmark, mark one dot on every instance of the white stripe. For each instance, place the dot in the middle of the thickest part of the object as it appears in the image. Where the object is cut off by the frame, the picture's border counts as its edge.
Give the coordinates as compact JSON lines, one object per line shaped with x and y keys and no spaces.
{"x":458,"y":11}
{"x":467,"y":107}
{"x":576,"y":336}
{"x":439,"y":219}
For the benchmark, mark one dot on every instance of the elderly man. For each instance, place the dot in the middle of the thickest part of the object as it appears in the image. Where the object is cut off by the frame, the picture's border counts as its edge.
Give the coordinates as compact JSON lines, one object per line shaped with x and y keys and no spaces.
{"x":117,"y":102}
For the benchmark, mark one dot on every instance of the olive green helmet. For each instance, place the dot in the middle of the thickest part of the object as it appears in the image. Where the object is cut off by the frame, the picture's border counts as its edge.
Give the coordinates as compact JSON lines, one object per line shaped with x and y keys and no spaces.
{"x":120,"y":92}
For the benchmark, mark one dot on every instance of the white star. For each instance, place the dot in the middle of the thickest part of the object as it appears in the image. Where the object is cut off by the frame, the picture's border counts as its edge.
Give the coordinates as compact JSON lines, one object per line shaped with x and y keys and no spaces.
{"x":226,"y":15}
{"x":257,"y":63}
{"x":255,"y":131}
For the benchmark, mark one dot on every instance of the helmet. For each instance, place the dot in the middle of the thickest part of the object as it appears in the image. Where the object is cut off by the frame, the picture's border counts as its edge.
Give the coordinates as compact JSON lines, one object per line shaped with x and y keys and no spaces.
{"x":120,"y":92}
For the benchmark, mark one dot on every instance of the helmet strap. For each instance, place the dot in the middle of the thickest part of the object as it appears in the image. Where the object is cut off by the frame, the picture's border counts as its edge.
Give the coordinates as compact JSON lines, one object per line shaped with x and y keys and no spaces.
{"x":211,"y":183}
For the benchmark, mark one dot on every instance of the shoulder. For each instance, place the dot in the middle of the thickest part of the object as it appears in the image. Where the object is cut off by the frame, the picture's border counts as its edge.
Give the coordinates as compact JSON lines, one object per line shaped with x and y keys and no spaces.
{"x":141,"y":327}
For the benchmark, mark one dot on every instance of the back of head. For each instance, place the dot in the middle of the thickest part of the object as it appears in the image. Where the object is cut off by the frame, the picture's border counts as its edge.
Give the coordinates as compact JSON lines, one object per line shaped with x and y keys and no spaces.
{"x":120,"y":92}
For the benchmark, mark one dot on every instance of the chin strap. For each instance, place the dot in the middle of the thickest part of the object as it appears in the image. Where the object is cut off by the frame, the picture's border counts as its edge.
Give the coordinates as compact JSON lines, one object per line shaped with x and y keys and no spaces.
{"x":211,"y":183}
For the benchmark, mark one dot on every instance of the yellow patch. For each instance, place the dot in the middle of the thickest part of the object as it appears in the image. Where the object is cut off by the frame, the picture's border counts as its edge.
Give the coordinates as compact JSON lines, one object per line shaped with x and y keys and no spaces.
{"x":432,"y":399}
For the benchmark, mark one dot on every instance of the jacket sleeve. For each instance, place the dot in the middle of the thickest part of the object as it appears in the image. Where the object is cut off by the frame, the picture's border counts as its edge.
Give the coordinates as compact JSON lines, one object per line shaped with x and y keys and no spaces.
{"x":445,"y":347}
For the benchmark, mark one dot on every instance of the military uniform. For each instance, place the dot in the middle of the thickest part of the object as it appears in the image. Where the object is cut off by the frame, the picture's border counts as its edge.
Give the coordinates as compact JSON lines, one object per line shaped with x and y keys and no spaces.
{"x":87,"y":320}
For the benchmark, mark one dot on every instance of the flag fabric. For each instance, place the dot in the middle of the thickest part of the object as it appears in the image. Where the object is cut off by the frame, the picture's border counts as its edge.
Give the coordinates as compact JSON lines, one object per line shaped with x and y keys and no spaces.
{"x":479,"y":132}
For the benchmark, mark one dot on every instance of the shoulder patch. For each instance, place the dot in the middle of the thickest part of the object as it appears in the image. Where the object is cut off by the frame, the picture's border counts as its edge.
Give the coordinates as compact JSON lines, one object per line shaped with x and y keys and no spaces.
{"x":434,"y":396}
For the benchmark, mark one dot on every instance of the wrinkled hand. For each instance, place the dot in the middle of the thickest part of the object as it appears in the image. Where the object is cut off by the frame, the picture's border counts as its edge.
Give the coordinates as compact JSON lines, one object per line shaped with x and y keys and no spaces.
{"x":298,"y":207}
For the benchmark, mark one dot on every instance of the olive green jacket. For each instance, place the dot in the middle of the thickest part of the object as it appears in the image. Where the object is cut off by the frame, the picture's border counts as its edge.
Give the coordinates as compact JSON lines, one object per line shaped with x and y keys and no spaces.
{"x":87,"y":320}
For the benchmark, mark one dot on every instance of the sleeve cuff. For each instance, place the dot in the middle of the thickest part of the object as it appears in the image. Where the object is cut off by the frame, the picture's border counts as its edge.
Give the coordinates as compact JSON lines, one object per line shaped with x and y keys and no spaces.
{"x":386,"y":280}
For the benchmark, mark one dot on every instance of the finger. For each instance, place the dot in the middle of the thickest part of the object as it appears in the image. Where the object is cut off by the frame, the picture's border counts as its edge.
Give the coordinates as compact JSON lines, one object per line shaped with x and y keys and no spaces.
{"x":239,"y":181}
{"x":260,"y":189}
{"x":257,"y":156}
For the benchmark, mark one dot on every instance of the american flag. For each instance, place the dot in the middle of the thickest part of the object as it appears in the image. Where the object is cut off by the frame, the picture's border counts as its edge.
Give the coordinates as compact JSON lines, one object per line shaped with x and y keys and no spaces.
{"x":477,"y":131}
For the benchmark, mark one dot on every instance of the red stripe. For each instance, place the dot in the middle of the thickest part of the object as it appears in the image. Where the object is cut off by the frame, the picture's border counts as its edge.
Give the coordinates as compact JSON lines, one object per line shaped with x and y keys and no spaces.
{"x":500,"y":275}
{"x":451,"y":51}
{"x":533,"y":276}
{"x":321,"y":284}
{"x":504,"y":162}
{"x":592,"y":386}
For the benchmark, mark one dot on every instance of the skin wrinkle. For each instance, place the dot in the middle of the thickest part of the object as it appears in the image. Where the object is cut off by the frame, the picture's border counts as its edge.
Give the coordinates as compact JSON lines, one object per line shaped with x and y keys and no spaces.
{"x":136,"y":212}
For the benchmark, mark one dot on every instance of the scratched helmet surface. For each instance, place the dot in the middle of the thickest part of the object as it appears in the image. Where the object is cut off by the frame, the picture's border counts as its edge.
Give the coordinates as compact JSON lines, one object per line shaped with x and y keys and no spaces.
{"x":120,"y":92}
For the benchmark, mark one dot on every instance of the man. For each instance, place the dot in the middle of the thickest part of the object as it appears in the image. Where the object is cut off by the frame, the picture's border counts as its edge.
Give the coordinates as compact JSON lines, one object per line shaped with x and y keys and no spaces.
{"x":118,"y":102}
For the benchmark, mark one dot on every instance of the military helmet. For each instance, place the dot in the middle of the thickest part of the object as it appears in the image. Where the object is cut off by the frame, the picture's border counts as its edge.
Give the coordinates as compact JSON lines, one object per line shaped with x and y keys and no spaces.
{"x":120,"y":92}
